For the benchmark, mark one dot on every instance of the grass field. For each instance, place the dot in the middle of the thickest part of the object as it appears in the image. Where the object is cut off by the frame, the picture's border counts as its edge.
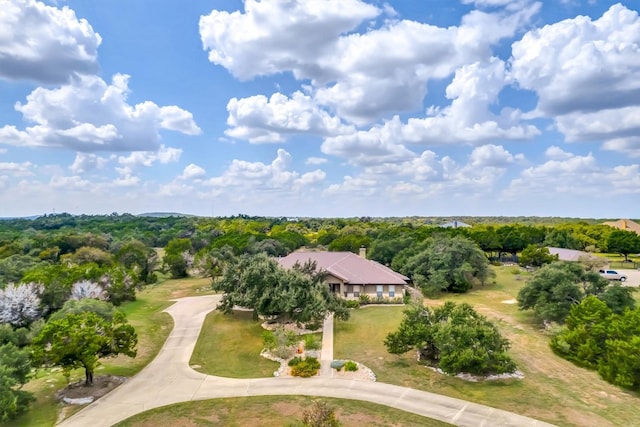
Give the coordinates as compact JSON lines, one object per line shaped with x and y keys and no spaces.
{"x":553,"y":389}
{"x":152,"y":325}
{"x":272,"y":411}
{"x":230,"y":346}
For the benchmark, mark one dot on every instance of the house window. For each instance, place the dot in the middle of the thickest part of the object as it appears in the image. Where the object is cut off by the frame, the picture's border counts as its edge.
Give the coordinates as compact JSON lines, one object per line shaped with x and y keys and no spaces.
{"x":356,"y":291}
{"x":392,"y":291}
{"x":379,"y":291}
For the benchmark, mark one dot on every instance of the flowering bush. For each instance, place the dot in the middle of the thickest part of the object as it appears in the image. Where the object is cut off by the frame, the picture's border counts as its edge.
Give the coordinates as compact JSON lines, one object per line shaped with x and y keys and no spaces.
{"x":87,"y":289}
{"x":20,"y":304}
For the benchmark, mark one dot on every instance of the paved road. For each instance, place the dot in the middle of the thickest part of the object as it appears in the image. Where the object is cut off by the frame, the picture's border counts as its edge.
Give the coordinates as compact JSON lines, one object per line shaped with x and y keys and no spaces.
{"x":633,"y":277}
{"x":168,"y":379}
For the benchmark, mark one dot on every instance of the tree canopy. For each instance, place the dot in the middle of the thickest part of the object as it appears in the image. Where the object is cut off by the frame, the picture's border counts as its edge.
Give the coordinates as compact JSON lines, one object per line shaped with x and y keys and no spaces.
{"x":454,"y":338}
{"x":80,"y":340}
{"x":14,"y":371}
{"x":623,"y":242}
{"x":556,"y":287}
{"x":176,"y":257}
{"x":597,"y":338}
{"x":443,"y":263}
{"x":536,"y":256}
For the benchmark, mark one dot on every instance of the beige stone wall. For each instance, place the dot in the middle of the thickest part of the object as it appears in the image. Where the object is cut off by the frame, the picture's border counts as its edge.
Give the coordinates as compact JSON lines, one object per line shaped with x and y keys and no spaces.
{"x":349,"y":291}
{"x":372,"y":291}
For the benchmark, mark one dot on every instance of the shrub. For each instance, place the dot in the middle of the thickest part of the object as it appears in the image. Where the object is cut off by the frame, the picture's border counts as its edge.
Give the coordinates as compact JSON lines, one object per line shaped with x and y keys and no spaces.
{"x":20,"y":304}
{"x":305,"y":368}
{"x":406,"y":299}
{"x":280,"y":342}
{"x":320,"y":415}
{"x":337,"y":364}
{"x":364,"y":299}
{"x":350,"y":366}
{"x":295,"y":361}
{"x":311,"y":342}
{"x":353,"y":303}
{"x":86,"y":289}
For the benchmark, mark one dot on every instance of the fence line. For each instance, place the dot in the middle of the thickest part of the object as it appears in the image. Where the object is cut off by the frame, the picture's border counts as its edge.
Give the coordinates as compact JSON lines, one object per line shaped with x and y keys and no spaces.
{"x":625,"y":265}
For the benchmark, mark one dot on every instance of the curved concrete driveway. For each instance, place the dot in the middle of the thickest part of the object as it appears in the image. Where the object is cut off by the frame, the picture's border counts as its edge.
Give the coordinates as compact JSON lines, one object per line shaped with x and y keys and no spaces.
{"x":168,"y":379}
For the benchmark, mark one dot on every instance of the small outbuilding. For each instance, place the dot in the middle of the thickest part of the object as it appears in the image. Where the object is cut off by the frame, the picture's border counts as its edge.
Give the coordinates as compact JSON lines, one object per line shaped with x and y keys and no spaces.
{"x":454,"y":224}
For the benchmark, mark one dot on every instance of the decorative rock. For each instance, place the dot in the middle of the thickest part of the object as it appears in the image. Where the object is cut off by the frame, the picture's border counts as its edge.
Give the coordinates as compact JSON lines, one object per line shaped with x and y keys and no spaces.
{"x":475,"y":378}
{"x":78,"y":401}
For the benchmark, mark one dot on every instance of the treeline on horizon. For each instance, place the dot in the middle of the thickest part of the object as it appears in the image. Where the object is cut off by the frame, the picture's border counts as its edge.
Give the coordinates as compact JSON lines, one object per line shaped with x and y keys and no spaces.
{"x":493,"y":234}
{"x":30,"y":244}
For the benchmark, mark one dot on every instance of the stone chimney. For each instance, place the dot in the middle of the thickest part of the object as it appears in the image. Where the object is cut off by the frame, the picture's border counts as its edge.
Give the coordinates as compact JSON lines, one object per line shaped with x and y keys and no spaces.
{"x":363,"y":252}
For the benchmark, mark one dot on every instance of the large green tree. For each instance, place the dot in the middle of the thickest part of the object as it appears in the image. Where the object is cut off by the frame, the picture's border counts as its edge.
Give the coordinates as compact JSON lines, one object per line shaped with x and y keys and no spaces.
{"x":584,"y":338}
{"x":454,"y":338}
{"x":556,"y":287}
{"x":452,"y":264}
{"x":176,"y":257}
{"x":139,"y":258}
{"x":259,"y":283}
{"x":15,"y":369}
{"x":81,"y":340}
{"x":536,"y":256}
{"x":597,"y":338}
{"x":623,"y":242}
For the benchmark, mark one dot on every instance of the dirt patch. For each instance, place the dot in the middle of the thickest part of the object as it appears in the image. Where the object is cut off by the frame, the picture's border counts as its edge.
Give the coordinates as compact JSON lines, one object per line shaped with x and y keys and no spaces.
{"x":101,"y":386}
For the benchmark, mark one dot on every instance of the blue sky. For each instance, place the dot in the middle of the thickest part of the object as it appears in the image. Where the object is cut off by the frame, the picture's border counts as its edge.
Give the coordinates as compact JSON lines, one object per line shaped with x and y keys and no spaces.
{"x":320,"y":107}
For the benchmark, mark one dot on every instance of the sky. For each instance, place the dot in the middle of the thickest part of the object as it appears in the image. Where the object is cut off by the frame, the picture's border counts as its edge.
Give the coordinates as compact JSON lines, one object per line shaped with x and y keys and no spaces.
{"x":320,"y":108}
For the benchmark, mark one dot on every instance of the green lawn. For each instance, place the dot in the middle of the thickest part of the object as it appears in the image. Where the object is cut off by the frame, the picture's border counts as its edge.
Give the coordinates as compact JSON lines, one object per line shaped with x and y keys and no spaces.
{"x":152,"y":325}
{"x":272,"y":411}
{"x":553,"y":390}
{"x":230,"y":346}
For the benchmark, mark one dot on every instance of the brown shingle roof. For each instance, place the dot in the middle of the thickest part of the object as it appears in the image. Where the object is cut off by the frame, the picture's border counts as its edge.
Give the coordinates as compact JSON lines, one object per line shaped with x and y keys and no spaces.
{"x":347,"y":266}
{"x":624,"y":224}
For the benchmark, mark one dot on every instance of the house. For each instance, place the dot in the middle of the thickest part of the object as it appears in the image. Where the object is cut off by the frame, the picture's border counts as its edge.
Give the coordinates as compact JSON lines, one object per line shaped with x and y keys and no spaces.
{"x":350,"y":275}
{"x":624,"y":224}
{"x":454,"y":224}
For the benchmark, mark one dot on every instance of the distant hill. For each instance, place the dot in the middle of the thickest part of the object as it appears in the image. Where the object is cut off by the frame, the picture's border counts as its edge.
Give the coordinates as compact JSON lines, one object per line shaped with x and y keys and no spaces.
{"x":9,"y":218}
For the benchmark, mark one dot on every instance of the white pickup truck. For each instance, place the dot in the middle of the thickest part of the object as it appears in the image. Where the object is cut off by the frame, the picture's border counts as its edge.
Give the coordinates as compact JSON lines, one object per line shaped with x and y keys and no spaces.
{"x":612,"y":275}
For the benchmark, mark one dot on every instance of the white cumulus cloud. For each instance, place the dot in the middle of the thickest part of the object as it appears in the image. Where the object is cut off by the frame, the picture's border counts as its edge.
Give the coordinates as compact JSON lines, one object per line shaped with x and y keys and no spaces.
{"x":261,"y":119}
{"x":362,"y":76}
{"x":91,"y":115}
{"x":585,"y":73}
{"x":279,"y":35}
{"x":193,"y":171}
{"x":43,"y":43}
{"x":257,"y":177}
{"x":85,"y":162}
{"x":163,"y":155}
